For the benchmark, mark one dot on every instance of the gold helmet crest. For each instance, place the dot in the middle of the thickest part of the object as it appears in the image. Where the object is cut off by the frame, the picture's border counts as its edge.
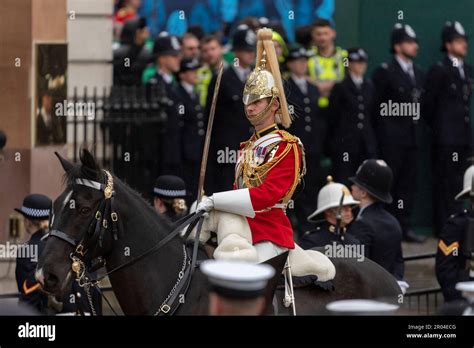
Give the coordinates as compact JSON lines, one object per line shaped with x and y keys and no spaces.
{"x":265,"y":80}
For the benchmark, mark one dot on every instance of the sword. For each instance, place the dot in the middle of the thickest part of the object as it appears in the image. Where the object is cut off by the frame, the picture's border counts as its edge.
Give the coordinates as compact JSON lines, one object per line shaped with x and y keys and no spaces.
{"x":339,"y":217}
{"x":207,"y":141}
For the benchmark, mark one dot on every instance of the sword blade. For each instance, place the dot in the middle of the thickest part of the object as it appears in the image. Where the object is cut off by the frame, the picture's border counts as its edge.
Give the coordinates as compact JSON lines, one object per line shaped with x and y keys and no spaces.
{"x":207,"y":141}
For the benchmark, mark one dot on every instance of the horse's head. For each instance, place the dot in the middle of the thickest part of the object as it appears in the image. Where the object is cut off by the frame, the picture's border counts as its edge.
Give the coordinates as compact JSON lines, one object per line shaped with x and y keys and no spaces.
{"x":81,"y":226}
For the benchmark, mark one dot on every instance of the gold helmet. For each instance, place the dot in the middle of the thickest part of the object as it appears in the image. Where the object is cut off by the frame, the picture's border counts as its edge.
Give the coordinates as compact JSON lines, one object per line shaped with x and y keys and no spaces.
{"x":265,"y":81}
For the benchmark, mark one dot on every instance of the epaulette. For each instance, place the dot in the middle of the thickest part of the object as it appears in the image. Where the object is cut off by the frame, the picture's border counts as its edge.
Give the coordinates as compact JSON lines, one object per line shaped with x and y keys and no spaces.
{"x":288,"y":137}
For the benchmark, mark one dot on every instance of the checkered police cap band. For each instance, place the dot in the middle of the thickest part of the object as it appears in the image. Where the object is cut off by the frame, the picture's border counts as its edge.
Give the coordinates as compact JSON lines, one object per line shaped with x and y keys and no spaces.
{"x":35,"y":212}
{"x":169,"y":193}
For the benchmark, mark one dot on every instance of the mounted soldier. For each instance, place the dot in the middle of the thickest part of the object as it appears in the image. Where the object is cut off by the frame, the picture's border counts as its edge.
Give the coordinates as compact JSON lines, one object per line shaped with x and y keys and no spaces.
{"x":270,"y":167}
{"x":271,"y":163}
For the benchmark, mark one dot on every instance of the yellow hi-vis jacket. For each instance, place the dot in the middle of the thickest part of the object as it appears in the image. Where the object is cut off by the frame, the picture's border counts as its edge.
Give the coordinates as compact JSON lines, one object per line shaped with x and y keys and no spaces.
{"x":327,"y":69}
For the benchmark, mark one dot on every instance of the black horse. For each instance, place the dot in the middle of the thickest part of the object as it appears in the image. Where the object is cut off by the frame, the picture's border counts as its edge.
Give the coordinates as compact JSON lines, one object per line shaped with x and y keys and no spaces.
{"x":143,"y":286}
{"x":140,"y":287}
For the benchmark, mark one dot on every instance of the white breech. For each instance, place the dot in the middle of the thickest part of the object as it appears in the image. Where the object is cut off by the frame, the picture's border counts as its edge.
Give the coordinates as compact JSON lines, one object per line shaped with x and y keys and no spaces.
{"x":234,"y":240}
{"x":267,"y":250}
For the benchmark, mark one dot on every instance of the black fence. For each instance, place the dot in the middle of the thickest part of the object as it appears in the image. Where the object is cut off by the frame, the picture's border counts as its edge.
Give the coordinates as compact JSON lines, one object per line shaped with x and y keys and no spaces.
{"x":423,"y":301}
{"x":123,"y":130}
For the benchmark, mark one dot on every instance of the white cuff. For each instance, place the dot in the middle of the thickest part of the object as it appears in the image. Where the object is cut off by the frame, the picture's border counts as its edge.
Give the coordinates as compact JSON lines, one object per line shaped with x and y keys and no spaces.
{"x":403,"y":286}
{"x":235,"y":202}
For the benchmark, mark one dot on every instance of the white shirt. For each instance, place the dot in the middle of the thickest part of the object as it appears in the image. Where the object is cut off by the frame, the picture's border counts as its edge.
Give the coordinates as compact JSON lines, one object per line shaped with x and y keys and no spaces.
{"x":358,"y":80}
{"x":359,"y":215}
{"x":188,"y":87}
{"x":301,"y":83}
{"x":168,"y":78}
{"x":407,"y":66}
{"x":242,"y":73}
{"x":458,"y":63}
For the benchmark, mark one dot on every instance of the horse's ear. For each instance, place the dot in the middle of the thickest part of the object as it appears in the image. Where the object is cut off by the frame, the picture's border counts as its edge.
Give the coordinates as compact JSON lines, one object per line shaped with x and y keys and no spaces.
{"x":88,"y":161}
{"x":67,"y":166}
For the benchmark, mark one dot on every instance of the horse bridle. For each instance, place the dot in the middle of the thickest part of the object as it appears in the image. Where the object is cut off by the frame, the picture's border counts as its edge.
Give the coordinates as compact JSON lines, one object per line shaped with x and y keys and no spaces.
{"x":96,"y":229}
{"x":98,"y":226}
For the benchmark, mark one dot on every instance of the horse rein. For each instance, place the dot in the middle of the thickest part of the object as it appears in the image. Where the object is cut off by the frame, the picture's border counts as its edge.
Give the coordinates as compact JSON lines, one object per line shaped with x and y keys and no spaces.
{"x":96,"y":230}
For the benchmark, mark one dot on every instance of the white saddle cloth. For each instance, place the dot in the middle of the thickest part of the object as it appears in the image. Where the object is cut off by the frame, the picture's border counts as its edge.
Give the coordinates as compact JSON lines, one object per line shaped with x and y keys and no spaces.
{"x":234,"y":241}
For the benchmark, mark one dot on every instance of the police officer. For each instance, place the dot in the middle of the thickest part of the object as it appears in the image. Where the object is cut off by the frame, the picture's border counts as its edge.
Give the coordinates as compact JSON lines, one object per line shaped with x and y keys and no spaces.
{"x":236,"y":288}
{"x":352,"y":137}
{"x":326,"y":66}
{"x":211,"y":57}
{"x":446,"y":103}
{"x":398,"y":87}
{"x":167,"y":51}
{"x":451,"y":260}
{"x":309,"y":126}
{"x":325,"y":217}
{"x":374,"y":227}
{"x":169,"y":197}
{"x":36,"y":209}
{"x":230,"y":123}
{"x":193,"y":122}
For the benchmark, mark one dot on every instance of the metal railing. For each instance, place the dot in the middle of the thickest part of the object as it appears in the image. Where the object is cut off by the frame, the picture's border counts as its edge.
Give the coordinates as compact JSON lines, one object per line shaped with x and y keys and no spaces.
{"x":424,"y":300}
{"x":128,"y":121}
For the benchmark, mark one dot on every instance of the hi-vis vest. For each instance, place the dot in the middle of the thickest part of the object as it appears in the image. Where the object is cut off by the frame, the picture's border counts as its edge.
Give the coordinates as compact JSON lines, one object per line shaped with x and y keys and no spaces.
{"x":204,"y":80}
{"x":327,"y":69}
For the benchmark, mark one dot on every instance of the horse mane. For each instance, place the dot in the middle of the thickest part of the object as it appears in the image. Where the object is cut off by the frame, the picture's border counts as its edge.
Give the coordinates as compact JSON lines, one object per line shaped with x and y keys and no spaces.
{"x":90,"y":169}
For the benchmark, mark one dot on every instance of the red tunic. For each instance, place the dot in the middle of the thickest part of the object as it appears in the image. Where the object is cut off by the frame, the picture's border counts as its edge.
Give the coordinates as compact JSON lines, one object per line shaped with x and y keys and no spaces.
{"x":274,"y":225}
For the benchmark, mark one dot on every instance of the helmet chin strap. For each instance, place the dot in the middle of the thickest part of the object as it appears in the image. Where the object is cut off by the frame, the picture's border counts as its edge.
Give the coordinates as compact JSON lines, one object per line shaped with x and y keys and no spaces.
{"x":256,"y":119}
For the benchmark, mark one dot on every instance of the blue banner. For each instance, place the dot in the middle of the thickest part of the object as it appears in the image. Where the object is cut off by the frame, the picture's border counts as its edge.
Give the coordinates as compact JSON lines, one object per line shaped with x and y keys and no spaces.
{"x":175,"y":16}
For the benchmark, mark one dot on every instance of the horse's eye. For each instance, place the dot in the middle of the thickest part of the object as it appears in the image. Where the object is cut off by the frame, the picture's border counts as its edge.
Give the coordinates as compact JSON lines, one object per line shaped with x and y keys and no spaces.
{"x":85,"y":210}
